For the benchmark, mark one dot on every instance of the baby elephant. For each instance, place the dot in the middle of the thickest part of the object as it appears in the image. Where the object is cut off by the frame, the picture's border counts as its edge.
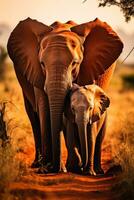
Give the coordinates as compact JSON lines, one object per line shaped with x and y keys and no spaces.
{"x":84,"y":128}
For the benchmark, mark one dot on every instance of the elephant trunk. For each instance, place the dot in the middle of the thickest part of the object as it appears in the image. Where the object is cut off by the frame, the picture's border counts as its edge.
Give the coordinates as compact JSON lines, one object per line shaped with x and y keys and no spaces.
{"x":82,"y":130}
{"x":56,"y":94}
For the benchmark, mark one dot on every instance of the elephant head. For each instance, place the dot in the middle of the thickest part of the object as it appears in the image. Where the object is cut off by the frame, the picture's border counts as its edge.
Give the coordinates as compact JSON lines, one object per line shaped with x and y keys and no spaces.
{"x":53,"y":57}
{"x":85,"y":105}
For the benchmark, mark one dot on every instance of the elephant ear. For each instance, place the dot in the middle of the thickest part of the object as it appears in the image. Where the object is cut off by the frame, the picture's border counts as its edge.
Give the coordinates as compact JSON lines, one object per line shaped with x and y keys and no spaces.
{"x":101,"y":103}
{"x":102,"y":47}
{"x":23,"y":47}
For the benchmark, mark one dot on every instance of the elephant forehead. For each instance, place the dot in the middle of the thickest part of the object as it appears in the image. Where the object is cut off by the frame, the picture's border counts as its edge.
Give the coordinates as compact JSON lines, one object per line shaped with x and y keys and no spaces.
{"x":83,"y":96}
{"x":56,"y":39}
{"x":79,"y":98}
{"x":88,"y":93}
{"x":71,"y":35}
{"x":64,"y":37}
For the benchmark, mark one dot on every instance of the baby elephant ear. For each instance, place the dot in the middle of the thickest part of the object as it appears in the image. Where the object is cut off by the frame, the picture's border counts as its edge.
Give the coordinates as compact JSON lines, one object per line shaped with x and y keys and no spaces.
{"x":101,"y":103}
{"x":102,"y":47}
{"x":23,"y":47}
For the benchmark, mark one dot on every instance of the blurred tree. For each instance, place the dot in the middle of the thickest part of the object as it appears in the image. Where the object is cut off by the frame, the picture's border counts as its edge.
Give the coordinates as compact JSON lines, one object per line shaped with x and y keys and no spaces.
{"x":126,"y":6}
{"x":3,"y":54}
{"x":3,"y":131}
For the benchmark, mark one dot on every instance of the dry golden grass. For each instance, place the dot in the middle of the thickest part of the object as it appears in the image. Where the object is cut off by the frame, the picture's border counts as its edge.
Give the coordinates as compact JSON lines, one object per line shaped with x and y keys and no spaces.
{"x":9,"y":170}
{"x":121,"y":129}
{"x":13,"y":163}
{"x":18,"y":155}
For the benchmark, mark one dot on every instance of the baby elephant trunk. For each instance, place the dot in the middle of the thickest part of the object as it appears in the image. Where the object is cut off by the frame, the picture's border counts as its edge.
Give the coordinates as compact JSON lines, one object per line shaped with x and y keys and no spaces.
{"x":82,"y":129}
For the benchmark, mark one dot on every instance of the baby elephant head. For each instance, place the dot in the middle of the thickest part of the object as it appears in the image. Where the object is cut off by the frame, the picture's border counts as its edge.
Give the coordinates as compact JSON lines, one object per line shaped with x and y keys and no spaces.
{"x":86,"y":103}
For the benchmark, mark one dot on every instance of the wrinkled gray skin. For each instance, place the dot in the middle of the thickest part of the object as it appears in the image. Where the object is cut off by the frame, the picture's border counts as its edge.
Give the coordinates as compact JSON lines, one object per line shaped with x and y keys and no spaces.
{"x":84,"y":128}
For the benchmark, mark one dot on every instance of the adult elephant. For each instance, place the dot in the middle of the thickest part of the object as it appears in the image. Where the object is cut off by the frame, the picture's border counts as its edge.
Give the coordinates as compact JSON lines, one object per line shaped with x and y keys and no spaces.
{"x":47,"y":60}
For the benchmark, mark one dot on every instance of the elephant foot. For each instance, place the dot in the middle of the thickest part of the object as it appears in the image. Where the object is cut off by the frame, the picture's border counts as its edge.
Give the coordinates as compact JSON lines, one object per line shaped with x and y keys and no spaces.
{"x":44,"y":170}
{"x":36,"y":164}
{"x":76,"y":170}
{"x":48,"y":168}
{"x":63,"y":168}
{"x":114,"y":170}
{"x":90,"y":172}
{"x":74,"y":165}
{"x":99,"y":170}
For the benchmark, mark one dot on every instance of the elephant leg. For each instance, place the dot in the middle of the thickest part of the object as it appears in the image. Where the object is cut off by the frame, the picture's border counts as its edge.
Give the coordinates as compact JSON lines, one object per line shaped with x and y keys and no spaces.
{"x":73,"y":163}
{"x":91,"y":136}
{"x":35,"y":123}
{"x":42,"y":107}
{"x":98,"y":145}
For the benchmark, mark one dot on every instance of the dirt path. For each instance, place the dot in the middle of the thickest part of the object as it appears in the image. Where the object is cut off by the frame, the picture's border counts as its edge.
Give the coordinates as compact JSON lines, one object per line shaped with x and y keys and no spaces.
{"x":62,"y":186}
{"x":33,"y":186}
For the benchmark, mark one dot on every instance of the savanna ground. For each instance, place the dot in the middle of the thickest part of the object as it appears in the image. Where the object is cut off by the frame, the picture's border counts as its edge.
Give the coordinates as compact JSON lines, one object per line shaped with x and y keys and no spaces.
{"x":19,"y":181}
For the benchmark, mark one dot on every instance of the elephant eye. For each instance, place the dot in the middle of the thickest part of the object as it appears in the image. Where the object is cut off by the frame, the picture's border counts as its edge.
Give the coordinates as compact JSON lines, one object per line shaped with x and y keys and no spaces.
{"x":73,"y":110}
{"x":42,"y":64}
{"x":75,"y":62}
{"x":73,"y":44}
{"x":90,"y":107}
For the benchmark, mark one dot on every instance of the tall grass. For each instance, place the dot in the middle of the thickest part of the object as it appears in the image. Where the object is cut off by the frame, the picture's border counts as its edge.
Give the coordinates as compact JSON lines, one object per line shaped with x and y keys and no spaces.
{"x":9,"y":170}
{"x":11,"y":166}
{"x":123,"y":155}
{"x":121,"y":130}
